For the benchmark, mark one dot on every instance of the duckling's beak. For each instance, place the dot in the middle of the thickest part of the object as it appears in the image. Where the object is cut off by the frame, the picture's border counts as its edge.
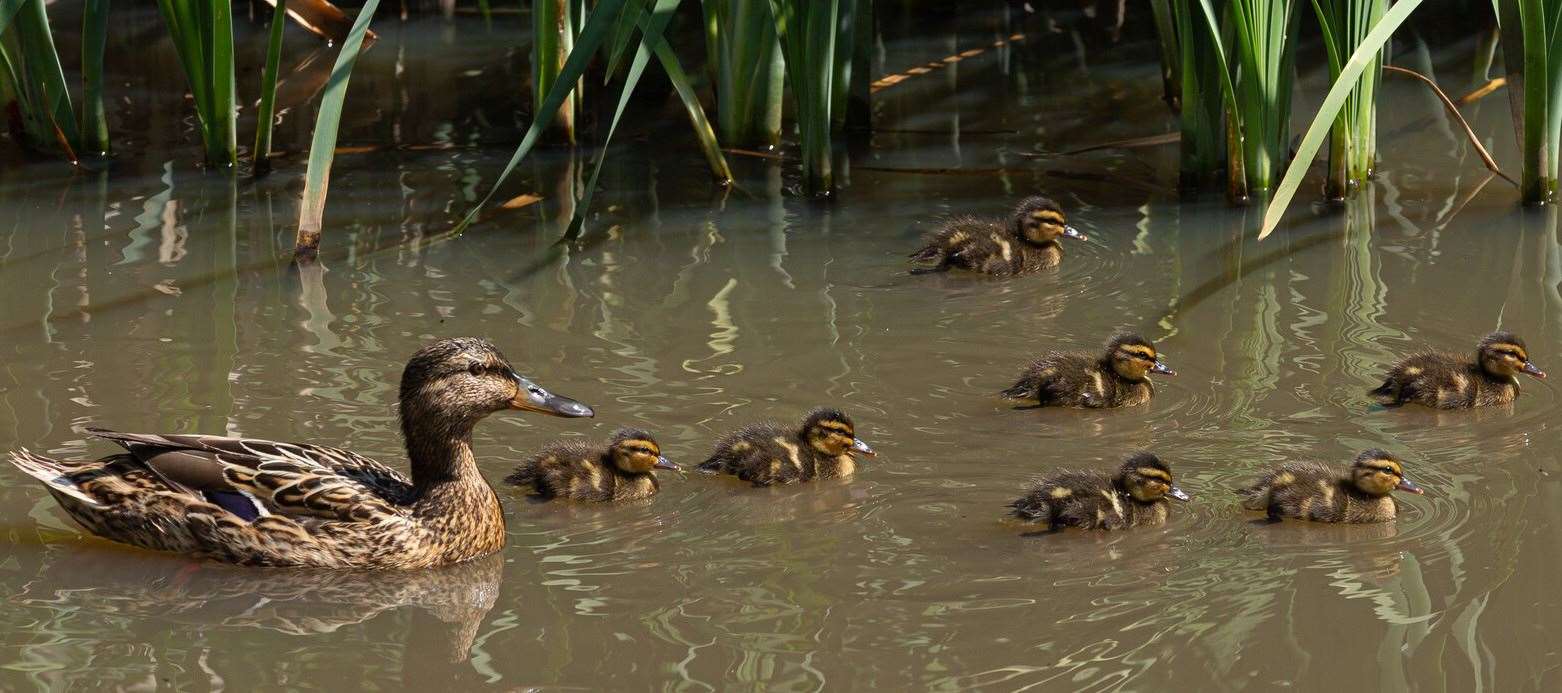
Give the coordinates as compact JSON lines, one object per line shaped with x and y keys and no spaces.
{"x":1072,"y":232}
{"x":1409,"y":487}
{"x":860,"y":448}
{"x":1162,"y":368}
{"x":1534,"y":370}
{"x":664,"y":463}
{"x":1179,"y":494}
{"x":531,"y":397}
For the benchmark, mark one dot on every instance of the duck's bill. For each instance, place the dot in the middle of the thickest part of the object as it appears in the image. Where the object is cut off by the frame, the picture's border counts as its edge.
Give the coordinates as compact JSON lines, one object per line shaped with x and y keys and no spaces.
{"x":1534,"y":370}
{"x":1072,"y":232}
{"x":531,"y":397}
{"x":1409,"y":486}
{"x":861,"y":448}
{"x":664,"y":463}
{"x":1162,"y":368}
{"x":1179,"y":494}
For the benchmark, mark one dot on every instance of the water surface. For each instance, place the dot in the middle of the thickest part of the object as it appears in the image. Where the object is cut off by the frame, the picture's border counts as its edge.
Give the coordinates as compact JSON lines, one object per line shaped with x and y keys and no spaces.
{"x":157,"y":299}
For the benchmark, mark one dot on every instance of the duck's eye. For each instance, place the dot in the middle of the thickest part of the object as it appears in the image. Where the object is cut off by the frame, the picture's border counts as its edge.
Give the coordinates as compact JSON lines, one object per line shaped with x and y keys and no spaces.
{"x":475,"y":368}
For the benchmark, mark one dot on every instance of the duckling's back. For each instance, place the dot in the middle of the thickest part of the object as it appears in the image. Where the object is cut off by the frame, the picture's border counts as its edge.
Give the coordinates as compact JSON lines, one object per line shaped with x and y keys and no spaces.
{"x":566,"y":470}
{"x":763,"y":454}
{"x":1087,"y":500}
{"x":1442,"y":381}
{"x":1314,"y":491}
{"x":983,"y":246}
{"x":1075,"y":379}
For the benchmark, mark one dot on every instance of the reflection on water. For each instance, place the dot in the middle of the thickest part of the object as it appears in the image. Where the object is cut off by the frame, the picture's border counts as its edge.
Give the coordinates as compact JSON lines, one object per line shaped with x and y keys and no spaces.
{"x":153,"y":298}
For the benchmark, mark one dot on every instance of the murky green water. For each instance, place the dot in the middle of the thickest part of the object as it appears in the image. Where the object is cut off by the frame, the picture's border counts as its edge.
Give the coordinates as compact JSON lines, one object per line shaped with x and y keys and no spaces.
{"x":154,"y":300}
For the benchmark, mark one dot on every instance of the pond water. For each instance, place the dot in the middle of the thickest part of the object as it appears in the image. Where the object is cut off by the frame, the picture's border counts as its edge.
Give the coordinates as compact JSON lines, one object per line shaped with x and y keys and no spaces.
{"x":158,"y":298}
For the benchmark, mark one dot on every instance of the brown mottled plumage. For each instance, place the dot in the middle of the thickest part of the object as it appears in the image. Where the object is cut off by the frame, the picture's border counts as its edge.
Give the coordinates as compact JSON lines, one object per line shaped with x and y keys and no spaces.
{"x":259,"y":502}
{"x":767,"y":454}
{"x":1315,"y":491}
{"x":1119,"y":377}
{"x":1134,"y":496}
{"x":1446,"y":381}
{"x":1027,"y":242}
{"x":624,"y":469}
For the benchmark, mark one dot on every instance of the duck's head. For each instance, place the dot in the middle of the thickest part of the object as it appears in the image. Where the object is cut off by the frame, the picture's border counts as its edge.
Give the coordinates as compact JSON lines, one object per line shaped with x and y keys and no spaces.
{"x":1134,"y":357}
{"x":1040,"y":220}
{"x":635,"y":452}
{"x":1503,"y":354}
{"x":831,"y":433}
{"x":459,"y":381}
{"x":1378,"y":473}
{"x":1145,"y":477}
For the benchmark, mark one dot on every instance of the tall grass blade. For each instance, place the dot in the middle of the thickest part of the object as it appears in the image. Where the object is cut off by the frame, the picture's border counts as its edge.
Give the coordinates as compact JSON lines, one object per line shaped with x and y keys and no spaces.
{"x":744,"y":57}
{"x":322,"y":148}
{"x":1353,"y":141}
{"x":808,"y":30}
{"x":1364,"y":56}
{"x":94,"y":37}
{"x":553,"y":41}
{"x":265,"y":115}
{"x":41,"y":79}
{"x":223,"y":149}
{"x":596,"y":28}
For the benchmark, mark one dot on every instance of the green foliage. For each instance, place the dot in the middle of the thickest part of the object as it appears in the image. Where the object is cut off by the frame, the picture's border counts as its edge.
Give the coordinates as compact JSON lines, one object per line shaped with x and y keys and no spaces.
{"x":202,"y":32}
{"x":322,"y":148}
{"x":745,"y":58}
{"x":268,"y":90}
{"x":31,"y":77}
{"x":1353,"y":140}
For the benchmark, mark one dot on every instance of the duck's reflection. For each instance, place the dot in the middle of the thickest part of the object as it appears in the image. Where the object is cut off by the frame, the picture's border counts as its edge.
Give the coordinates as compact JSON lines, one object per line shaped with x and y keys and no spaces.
{"x":450,"y":602}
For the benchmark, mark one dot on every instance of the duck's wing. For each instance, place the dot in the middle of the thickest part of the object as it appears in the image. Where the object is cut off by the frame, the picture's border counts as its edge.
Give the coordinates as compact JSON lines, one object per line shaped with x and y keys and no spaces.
{"x":269,"y":476}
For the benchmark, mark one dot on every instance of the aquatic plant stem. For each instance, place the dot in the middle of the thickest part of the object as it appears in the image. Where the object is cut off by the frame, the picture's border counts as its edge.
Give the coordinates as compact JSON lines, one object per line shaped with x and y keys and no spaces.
{"x":266,"y":113}
{"x":94,"y":37}
{"x":322,"y":148}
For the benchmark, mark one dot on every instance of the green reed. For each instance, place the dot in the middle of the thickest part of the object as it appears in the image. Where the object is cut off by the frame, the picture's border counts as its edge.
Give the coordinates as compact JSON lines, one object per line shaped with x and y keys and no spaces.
{"x":817,"y":37}
{"x":322,"y":147}
{"x":202,"y":32}
{"x":1533,"y":49}
{"x":94,"y":38}
{"x":744,"y":57}
{"x":1353,"y":140}
{"x":553,"y":38}
{"x":1262,"y":64}
{"x":32,"y":79}
{"x":266,"y":113}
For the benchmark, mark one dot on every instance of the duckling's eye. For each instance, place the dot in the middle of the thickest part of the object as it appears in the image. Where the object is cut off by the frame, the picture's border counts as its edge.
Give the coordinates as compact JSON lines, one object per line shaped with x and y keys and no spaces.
{"x":475,"y":368}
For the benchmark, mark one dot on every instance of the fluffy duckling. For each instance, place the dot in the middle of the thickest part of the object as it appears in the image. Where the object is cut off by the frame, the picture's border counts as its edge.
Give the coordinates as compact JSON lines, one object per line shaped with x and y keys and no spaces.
{"x":1133,"y":497}
{"x":624,"y":469}
{"x":1315,"y":491}
{"x":1446,"y":381}
{"x":1119,"y":377}
{"x":767,"y":454}
{"x":1027,"y":242}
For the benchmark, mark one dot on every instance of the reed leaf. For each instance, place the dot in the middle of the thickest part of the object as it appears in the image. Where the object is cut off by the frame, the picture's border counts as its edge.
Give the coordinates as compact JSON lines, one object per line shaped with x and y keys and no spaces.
{"x":553,"y":39}
{"x":598,"y":24}
{"x":1353,"y":141}
{"x":265,"y":115}
{"x":38,"y":81}
{"x":1351,"y":71}
{"x":322,"y":148}
{"x":744,"y":57}
{"x":94,"y":37}
{"x":808,"y":30}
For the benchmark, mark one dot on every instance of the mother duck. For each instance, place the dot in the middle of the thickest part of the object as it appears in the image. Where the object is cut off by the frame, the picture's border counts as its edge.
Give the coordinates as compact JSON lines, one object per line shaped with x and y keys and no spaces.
{"x":265,"y":503}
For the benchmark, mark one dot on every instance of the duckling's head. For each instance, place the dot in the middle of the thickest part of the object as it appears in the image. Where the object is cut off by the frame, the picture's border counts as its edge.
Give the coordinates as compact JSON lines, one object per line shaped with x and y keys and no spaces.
{"x":1378,"y":473}
{"x":1134,"y":357}
{"x":1039,"y":220}
{"x":1503,"y":354}
{"x":831,"y":433}
{"x":635,"y":452}
{"x":458,"y":381}
{"x":1145,"y":477}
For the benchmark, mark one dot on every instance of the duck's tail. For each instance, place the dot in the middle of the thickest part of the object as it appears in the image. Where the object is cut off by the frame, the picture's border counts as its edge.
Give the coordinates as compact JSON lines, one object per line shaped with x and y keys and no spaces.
{"x":52,"y":473}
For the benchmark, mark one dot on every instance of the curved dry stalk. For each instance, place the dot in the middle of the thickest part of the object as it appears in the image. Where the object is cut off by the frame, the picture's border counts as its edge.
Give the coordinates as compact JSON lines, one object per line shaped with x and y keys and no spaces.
{"x":1491,"y":164}
{"x":1482,"y":91}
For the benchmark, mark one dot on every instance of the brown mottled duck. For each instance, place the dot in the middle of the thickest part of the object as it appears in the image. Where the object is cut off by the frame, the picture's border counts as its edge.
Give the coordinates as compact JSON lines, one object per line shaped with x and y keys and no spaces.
{"x":1447,"y":381}
{"x":767,"y":454}
{"x":1315,"y":491}
{"x":1026,"y":242}
{"x":260,"y":502}
{"x":623,"y":469}
{"x":1133,"y":496}
{"x":1118,"y":377}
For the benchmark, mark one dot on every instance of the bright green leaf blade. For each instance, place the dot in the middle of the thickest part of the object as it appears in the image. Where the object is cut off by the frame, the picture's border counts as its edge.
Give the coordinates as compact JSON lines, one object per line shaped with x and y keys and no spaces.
{"x":266,"y":113}
{"x":591,"y":37}
{"x":322,"y":149}
{"x":1365,"y":55}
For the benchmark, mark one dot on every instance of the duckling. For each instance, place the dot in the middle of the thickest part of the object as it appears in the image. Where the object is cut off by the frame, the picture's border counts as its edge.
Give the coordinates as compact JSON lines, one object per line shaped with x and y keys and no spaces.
{"x":1027,"y":242}
{"x":1446,"y":381}
{"x":1133,"y":497}
{"x":767,"y":454}
{"x":1314,"y":491}
{"x":624,"y":469}
{"x":1119,"y":377}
